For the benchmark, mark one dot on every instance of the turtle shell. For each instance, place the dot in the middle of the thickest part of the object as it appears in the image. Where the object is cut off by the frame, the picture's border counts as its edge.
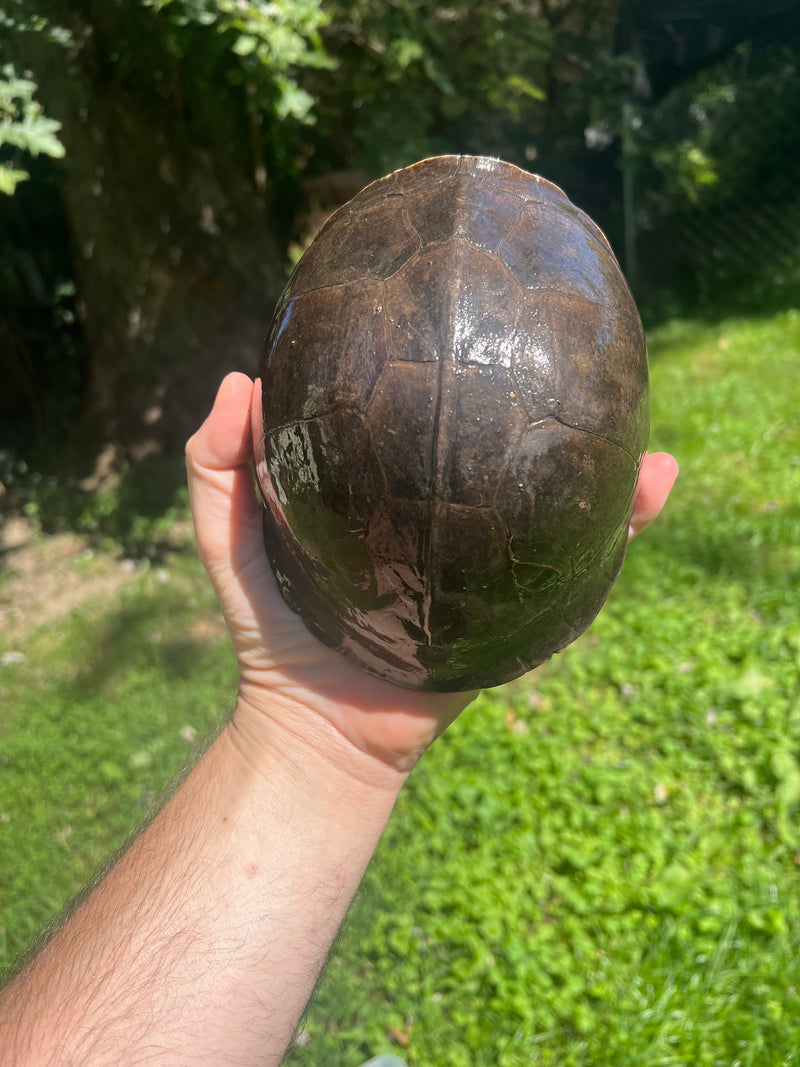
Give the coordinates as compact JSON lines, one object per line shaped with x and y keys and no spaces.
{"x":455,"y":410}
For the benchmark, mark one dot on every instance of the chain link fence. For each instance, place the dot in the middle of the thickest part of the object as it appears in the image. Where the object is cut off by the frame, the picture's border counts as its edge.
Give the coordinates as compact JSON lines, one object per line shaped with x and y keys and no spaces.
{"x":725,"y":210}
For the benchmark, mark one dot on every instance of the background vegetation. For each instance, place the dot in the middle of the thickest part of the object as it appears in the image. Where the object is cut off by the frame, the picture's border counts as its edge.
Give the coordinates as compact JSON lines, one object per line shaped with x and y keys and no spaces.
{"x":179,"y":152}
{"x":599,"y":863}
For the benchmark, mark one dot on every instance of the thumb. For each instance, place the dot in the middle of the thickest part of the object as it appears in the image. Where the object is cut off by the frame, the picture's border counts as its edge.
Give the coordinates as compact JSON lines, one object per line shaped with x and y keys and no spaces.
{"x":226,"y":515}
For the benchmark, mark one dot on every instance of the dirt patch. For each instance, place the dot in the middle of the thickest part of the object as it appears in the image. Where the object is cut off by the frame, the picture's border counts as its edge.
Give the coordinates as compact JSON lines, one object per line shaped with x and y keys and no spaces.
{"x":45,"y":577}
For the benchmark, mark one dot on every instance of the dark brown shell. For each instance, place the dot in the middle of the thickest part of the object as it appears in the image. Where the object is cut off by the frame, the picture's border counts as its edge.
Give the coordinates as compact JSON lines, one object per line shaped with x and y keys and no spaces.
{"x":455,"y":408}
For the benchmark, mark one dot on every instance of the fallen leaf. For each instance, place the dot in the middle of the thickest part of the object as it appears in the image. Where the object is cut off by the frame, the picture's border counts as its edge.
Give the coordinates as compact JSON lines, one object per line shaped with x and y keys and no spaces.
{"x":398,"y":1035}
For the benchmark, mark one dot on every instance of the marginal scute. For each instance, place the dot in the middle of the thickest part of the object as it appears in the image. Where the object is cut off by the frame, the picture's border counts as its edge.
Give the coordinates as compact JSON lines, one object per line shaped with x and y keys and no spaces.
{"x":455,"y":407}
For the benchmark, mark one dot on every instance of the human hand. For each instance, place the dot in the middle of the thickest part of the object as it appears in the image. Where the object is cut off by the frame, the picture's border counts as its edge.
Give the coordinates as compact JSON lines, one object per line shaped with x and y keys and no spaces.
{"x":289,"y":682}
{"x":656,"y":478}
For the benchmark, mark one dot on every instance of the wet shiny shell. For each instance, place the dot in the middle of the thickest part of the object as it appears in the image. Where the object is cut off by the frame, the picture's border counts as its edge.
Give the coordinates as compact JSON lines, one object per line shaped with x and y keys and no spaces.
{"x":455,"y":408}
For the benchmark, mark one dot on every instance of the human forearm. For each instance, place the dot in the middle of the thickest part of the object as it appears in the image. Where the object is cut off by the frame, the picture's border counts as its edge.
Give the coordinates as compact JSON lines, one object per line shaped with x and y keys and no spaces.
{"x":203,"y":944}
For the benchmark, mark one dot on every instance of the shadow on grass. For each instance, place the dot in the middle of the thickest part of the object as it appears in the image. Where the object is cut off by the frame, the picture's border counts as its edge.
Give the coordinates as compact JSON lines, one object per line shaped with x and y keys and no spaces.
{"x":135,"y":509}
{"x":161,"y":633}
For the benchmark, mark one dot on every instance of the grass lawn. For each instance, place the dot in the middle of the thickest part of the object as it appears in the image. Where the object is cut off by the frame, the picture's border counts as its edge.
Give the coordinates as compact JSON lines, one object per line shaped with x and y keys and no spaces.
{"x":599,"y":864}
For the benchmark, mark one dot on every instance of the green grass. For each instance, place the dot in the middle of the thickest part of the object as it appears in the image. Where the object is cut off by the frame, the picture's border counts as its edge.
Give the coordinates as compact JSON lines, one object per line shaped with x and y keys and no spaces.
{"x":93,"y":726}
{"x":599,"y":864}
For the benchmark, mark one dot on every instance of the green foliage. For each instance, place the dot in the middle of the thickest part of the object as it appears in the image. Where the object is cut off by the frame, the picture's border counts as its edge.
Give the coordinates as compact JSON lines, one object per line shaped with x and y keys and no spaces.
{"x":717,"y":164}
{"x":597,"y":864}
{"x":415,"y":79}
{"x":267,"y":94}
{"x":689,"y":168}
{"x":729,"y":127}
{"x":23,"y":126}
{"x":183,"y":52}
{"x":133,"y":514}
{"x":271,"y":42}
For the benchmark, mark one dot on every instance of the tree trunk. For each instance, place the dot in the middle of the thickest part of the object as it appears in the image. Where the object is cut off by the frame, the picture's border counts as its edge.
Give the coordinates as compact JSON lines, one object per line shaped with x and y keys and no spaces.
{"x":176,"y":257}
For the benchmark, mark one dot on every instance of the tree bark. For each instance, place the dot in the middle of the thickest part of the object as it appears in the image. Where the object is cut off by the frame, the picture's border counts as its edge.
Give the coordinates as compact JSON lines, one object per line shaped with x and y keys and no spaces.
{"x":176,"y":255}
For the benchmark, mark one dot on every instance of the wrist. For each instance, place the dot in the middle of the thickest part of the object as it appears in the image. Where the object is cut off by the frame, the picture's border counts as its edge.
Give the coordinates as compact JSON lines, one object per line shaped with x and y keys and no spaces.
{"x":276,"y":734}
{"x":340,"y":719}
